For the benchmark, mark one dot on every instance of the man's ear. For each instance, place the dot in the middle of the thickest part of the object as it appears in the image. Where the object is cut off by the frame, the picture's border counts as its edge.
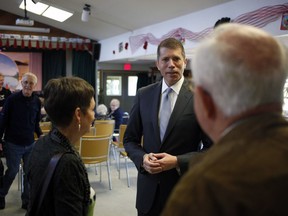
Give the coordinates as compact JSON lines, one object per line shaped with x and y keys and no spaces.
{"x":157,"y":65}
{"x":209,"y":109}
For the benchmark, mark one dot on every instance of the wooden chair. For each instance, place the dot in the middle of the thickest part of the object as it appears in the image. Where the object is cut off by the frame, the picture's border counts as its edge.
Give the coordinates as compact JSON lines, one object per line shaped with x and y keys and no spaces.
{"x":119,"y":147}
{"x":91,"y":132}
{"x":45,"y":127}
{"x":95,"y":150}
{"x":104,"y":127}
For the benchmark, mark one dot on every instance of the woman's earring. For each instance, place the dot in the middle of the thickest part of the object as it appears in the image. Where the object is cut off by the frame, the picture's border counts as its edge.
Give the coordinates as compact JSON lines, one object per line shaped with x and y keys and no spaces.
{"x":79,"y":126}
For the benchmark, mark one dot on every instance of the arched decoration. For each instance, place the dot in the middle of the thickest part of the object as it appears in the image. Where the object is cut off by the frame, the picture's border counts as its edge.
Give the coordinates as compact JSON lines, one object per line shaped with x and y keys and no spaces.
{"x":258,"y":18}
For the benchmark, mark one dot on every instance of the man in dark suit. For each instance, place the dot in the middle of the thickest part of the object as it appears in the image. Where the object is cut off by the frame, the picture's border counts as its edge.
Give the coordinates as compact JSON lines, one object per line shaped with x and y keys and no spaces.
{"x":161,"y":163}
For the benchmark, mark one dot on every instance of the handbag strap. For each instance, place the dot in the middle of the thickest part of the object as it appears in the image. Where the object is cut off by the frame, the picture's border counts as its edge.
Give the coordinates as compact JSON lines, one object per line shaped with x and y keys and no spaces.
{"x":49,"y":173}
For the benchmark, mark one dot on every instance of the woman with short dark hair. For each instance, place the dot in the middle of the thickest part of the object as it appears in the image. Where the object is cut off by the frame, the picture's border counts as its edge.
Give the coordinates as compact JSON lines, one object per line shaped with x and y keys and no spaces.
{"x":69,"y":103}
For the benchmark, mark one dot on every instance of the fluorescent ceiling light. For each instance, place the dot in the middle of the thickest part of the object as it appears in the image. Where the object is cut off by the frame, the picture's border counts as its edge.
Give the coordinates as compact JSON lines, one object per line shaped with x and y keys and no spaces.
{"x":57,"y":14}
{"x":46,"y":10}
{"x":38,"y":8}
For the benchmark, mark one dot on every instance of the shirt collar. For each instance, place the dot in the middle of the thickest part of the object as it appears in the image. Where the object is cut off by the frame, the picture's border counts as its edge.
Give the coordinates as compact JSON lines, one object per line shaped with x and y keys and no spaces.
{"x":176,"y":87}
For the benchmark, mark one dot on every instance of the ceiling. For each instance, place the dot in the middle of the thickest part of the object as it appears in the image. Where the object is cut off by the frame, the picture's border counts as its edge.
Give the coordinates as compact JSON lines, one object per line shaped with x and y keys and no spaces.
{"x":110,"y":18}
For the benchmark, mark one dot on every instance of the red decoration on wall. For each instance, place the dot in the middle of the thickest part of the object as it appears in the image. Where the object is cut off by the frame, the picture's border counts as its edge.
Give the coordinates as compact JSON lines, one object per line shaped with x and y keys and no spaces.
{"x":82,"y":46}
{"x":0,"y":43}
{"x":70,"y":46}
{"x":15,"y":43}
{"x":29,"y":44}
{"x":64,"y":45}
{"x":126,"y":45}
{"x":57,"y":45}
{"x":259,"y":18}
{"x":22,"y":44}
{"x":89,"y":46}
{"x":145,"y":45}
{"x":37,"y":44}
{"x":44,"y":45}
{"x":50,"y":45}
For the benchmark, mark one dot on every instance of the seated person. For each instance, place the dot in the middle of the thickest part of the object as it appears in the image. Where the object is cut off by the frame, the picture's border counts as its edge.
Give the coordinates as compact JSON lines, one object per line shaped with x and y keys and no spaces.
{"x":101,"y":112}
{"x":116,"y":113}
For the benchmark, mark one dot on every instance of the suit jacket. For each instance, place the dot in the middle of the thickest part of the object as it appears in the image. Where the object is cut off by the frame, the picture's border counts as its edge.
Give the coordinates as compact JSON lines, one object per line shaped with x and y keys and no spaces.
{"x":245,"y":173}
{"x":182,"y":138}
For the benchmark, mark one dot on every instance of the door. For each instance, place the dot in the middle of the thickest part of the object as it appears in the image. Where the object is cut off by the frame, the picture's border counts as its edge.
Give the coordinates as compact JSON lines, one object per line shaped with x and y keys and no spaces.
{"x":120,"y":85}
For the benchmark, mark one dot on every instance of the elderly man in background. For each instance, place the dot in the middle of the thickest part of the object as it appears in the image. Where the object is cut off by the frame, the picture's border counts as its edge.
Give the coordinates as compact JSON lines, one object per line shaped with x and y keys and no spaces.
{"x":116,"y":113}
{"x":239,"y":75}
{"x":19,"y":120}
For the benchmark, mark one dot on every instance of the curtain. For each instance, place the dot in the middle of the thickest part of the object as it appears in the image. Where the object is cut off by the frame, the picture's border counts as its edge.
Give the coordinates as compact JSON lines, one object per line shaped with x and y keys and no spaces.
{"x":54,"y":65}
{"x":83,"y":66}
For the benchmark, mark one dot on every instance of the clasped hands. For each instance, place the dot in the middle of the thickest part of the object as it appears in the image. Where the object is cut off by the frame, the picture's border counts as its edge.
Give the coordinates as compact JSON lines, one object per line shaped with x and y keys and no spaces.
{"x":155,"y":163}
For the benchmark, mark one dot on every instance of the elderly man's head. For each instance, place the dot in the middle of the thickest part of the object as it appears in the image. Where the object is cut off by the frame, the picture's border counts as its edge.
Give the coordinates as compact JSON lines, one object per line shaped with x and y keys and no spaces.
{"x":114,"y":104}
{"x":239,"y":68}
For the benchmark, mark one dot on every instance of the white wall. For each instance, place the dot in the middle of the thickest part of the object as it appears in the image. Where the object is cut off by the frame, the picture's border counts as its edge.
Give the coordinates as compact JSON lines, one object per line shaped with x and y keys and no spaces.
{"x":194,"y":22}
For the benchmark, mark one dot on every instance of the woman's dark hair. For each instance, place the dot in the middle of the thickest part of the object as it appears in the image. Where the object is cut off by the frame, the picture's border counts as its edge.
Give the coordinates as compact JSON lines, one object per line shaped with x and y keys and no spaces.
{"x":63,"y":95}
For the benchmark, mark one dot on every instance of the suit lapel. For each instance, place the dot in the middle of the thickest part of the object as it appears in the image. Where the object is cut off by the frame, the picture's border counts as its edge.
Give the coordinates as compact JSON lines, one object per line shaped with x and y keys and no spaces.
{"x":155,"y":109}
{"x":183,"y":99}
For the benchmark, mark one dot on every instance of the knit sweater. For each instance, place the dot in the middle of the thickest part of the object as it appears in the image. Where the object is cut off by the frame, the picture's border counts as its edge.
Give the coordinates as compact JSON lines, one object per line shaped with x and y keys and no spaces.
{"x":20,"y":118}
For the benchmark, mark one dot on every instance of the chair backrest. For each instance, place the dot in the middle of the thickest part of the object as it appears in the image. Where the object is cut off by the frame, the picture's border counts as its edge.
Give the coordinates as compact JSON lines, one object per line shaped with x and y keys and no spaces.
{"x":91,"y":132}
{"x":45,"y":127}
{"x":104,"y":127}
{"x":122,"y":129}
{"x":94,"y":149}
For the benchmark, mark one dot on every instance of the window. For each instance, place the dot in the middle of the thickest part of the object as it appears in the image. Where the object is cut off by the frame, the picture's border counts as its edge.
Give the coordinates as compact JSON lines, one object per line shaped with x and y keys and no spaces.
{"x":114,"y":86}
{"x":132,"y":85}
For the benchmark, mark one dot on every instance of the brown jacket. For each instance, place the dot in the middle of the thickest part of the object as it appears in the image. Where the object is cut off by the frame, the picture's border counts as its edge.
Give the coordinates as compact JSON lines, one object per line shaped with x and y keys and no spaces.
{"x":245,"y":173}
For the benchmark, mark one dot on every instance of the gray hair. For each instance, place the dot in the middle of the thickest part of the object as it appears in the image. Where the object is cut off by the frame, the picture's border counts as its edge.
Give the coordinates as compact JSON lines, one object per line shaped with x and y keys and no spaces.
{"x":102,"y":109}
{"x":29,"y":74}
{"x":241,"y":67}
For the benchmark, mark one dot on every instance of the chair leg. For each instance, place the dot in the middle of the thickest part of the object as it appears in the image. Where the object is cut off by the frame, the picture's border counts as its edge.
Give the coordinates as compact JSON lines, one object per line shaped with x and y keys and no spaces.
{"x":19,"y":177}
{"x":127,"y":172}
{"x":109,"y":176}
{"x":113,"y":148}
{"x":100,"y":167}
{"x":118,"y":161}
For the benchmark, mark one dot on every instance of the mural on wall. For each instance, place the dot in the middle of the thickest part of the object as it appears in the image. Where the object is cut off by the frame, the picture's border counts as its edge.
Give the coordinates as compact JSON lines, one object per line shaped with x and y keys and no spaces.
{"x":10,"y":70}
{"x":14,"y":64}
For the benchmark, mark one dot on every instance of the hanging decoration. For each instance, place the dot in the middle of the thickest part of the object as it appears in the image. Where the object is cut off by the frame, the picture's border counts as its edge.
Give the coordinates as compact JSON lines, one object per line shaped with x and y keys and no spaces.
{"x":22,"y":44}
{"x":41,"y":42}
{"x":29,"y":44}
{"x":258,"y":18}
{"x":145,"y":45}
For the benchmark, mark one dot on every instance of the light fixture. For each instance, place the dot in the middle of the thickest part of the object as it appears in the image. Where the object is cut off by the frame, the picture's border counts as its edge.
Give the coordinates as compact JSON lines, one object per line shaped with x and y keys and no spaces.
{"x":24,"y":28}
{"x":85,"y":13}
{"x":48,"y":11}
{"x":38,"y":8}
{"x":57,"y":14}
